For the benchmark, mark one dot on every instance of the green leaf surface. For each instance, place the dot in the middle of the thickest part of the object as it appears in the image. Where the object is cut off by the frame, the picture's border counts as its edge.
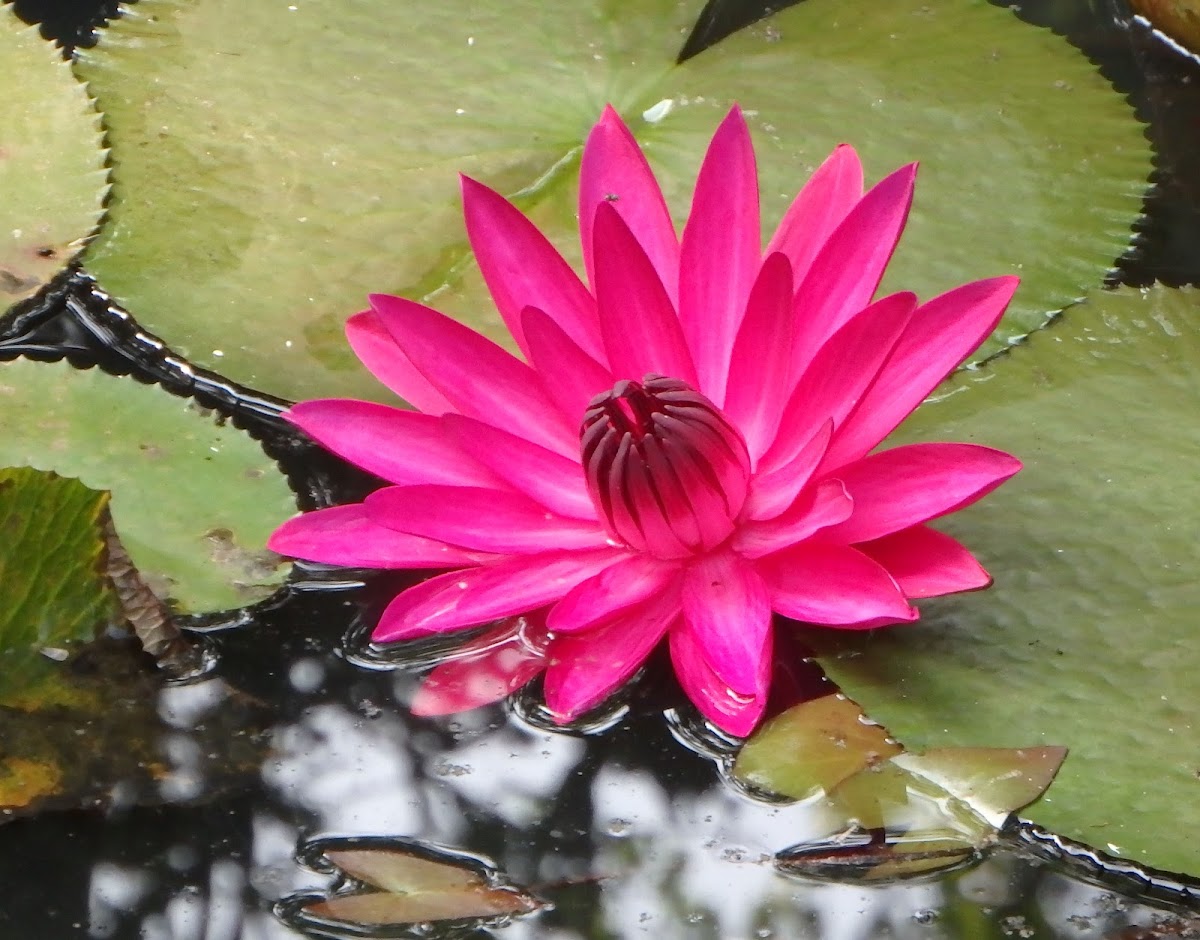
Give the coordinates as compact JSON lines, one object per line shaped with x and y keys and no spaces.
{"x":52,"y":161}
{"x":269,"y":176}
{"x":53,"y":594}
{"x":1088,"y":638}
{"x":193,"y":500}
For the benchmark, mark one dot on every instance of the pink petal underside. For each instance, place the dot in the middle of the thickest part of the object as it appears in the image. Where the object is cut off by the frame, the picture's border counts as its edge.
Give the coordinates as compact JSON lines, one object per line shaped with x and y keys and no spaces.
{"x":833,"y":585}
{"x":926,"y":562}
{"x":376,"y":349}
{"x":571,"y":378}
{"x":940,"y":335}
{"x":484,"y":670}
{"x":403,"y":447}
{"x":733,"y":713}
{"x":720,"y":252}
{"x":479,"y":378}
{"x":553,"y":480}
{"x":343,"y":535}
{"x":480,"y":519}
{"x":839,"y":375}
{"x":522,"y":269}
{"x":760,"y":369}
{"x":585,"y":667}
{"x":611,"y":593}
{"x":901,"y":487}
{"x":614,"y":169}
{"x":818,"y":209}
{"x":476,"y":595}
{"x":772,"y":493}
{"x":727,"y":610}
{"x":823,"y":505}
{"x":846,"y":272}
{"x":641,"y":330}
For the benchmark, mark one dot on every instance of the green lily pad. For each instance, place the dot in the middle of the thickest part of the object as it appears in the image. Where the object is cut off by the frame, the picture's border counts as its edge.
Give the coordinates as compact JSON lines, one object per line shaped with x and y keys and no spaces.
{"x":269,"y":176}
{"x":1088,"y":637}
{"x":193,"y":500}
{"x":53,"y":178}
{"x":53,"y":594}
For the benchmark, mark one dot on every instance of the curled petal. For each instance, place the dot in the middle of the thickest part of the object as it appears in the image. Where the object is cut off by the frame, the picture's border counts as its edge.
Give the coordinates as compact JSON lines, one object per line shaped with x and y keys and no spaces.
{"x":926,"y":562}
{"x":569,"y":376}
{"x":481,"y":519}
{"x":901,"y":487}
{"x":355,"y":430}
{"x":824,"y":505}
{"x":734,"y":713}
{"x":476,"y":595}
{"x":614,"y":169}
{"x":833,"y":585}
{"x":522,"y":269}
{"x":772,"y":493}
{"x":344,"y":535}
{"x":720,"y":252}
{"x":585,"y":667}
{"x":377,"y":350}
{"x":938,"y":337}
{"x":611,"y":593}
{"x":727,"y":610}
{"x":484,"y":670}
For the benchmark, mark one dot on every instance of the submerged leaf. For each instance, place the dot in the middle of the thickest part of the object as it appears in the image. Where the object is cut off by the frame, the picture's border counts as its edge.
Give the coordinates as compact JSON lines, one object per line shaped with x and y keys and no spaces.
{"x":292,"y":218}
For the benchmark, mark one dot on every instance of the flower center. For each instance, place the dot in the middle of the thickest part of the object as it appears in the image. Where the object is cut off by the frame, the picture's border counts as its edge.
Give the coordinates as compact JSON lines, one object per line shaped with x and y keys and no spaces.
{"x":666,"y":470}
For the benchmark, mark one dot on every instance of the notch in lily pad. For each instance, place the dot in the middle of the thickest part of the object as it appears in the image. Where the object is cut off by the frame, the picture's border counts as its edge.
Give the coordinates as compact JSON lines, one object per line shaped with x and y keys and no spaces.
{"x":386,"y":887}
{"x":891,"y":813}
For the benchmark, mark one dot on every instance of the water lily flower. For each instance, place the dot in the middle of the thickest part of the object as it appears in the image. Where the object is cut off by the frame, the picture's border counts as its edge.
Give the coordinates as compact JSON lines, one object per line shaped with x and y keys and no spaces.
{"x":682,"y":449}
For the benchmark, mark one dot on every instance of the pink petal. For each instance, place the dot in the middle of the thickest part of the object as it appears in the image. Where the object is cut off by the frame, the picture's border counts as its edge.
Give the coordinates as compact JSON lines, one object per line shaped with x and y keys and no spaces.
{"x":819,"y":208}
{"x":840,"y":374}
{"x":926,"y":562}
{"x":479,"y":378}
{"x":614,"y":169}
{"x":570,"y":377}
{"x":483,"y":670}
{"x":729,"y":711}
{"x":611,"y":593}
{"x":553,"y":480}
{"x":343,"y":535}
{"x":482,"y":519}
{"x":401,"y":446}
{"x":761,"y":366}
{"x":772,"y":493}
{"x":728,"y":612}
{"x":897,"y":488}
{"x":376,"y":349}
{"x":847,"y":271}
{"x":638,"y":321}
{"x":476,"y":595}
{"x":833,"y":585}
{"x":585,"y":667}
{"x":522,"y":269}
{"x":940,"y":335}
{"x":824,"y":505}
{"x":720,"y":252}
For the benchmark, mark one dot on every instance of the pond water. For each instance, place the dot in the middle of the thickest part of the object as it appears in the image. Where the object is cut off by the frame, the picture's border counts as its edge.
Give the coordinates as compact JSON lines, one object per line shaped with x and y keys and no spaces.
{"x":629,"y":827}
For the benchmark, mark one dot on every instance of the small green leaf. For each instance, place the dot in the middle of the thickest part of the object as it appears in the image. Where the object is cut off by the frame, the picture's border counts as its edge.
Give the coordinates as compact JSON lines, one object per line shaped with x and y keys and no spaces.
{"x":193,"y":500}
{"x":52,"y":174}
{"x":321,"y":148}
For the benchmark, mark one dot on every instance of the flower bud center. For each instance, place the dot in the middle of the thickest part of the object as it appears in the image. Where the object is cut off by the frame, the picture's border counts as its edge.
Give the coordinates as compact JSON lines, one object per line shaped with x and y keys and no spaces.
{"x":667,"y":471}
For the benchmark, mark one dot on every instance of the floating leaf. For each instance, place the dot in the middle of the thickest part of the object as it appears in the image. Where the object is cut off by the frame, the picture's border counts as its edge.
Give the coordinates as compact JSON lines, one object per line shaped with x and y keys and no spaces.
{"x":416,"y":884}
{"x":1088,"y":637}
{"x":812,"y":747}
{"x":1179,"y":19}
{"x":319,"y":147}
{"x":53,"y":595}
{"x":193,"y":500}
{"x":52,"y":174}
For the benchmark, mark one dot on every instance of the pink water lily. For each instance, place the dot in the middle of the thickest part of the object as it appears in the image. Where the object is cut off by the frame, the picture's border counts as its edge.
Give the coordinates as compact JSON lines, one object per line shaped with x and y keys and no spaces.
{"x":681,"y":450}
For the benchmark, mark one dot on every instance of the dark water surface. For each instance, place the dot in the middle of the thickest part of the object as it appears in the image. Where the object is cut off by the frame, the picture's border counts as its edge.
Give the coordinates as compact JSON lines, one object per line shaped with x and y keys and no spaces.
{"x":629,"y":832}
